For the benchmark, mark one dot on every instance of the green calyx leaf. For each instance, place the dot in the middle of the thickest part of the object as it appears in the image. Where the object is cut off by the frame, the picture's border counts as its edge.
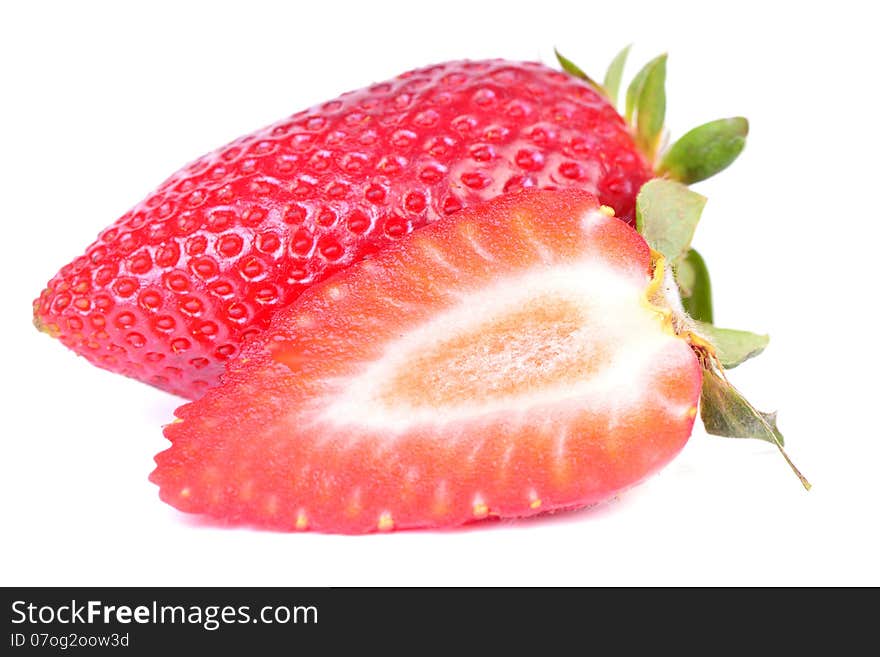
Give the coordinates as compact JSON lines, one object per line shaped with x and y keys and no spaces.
{"x":667,"y":214}
{"x":705,"y":150}
{"x":633,"y":92}
{"x":614,"y":75}
{"x":725,"y":412}
{"x":695,"y":286}
{"x":573,"y":69}
{"x":733,"y":347}
{"x":646,"y":105}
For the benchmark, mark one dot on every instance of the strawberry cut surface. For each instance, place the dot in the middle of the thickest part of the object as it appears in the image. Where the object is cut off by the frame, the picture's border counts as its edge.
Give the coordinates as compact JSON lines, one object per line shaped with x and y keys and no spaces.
{"x":174,"y":288}
{"x":507,"y":361}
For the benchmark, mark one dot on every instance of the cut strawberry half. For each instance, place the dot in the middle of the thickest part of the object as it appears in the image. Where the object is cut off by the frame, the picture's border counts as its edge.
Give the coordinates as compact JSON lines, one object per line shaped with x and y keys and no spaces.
{"x":515,"y":359}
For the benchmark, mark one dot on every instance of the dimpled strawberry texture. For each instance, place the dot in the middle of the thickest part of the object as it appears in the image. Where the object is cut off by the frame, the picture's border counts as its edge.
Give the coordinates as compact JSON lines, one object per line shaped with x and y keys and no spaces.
{"x":172,"y":290}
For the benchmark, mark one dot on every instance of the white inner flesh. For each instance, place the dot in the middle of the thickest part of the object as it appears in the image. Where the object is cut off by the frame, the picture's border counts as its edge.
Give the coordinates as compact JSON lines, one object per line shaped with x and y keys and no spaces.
{"x":628,"y":331}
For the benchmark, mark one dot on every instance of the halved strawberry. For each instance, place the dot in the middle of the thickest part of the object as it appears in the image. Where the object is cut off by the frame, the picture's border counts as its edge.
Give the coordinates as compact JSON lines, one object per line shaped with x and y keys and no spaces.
{"x":514,"y":359}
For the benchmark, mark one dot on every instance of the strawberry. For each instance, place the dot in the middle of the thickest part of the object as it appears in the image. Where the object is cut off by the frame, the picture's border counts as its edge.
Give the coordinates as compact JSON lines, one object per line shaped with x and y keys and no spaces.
{"x":526,"y":355}
{"x":514,"y":359}
{"x":172,"y":290}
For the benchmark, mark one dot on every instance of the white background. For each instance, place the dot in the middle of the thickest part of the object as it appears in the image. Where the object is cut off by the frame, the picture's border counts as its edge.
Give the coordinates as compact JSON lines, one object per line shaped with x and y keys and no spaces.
{"x":102,"y":100}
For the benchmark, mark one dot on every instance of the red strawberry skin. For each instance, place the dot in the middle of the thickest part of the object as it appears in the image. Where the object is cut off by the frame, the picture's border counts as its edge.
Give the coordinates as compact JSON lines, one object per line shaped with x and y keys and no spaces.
{"x":330,"y":422}
{"x":171,"y":291}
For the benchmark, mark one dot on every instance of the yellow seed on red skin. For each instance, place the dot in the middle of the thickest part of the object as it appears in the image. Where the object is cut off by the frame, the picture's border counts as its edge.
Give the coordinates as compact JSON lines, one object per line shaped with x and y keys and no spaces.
{"x":302,"y":522}
{"x":606,"y":210}
{"x":480,"y":510}
{"x":386,"y":522}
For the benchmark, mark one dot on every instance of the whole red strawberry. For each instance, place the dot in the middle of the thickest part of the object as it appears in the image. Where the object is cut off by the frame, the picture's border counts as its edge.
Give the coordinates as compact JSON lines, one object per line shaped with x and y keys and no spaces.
{"x":176,"y":285}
